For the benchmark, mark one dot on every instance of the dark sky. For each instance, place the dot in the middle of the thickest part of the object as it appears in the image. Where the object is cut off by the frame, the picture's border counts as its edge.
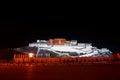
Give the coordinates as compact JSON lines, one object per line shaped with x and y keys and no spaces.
{"x":20,"y":30}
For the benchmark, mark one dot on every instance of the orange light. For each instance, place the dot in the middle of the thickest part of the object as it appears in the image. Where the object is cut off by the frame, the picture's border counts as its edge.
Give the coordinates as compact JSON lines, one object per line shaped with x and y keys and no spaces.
{"x":31,"y":55}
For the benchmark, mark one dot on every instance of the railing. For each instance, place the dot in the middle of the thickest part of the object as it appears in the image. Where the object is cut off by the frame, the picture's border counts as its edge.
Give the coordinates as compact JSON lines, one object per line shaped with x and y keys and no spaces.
{"x":23,"y":58}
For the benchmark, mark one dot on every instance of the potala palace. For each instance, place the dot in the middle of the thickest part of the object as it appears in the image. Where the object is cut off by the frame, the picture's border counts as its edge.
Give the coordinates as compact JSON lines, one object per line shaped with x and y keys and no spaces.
{"x":60,"y":47}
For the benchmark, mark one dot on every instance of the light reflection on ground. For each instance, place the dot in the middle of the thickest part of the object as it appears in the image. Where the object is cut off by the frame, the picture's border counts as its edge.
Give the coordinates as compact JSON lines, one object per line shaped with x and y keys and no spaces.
{"x":60,"y":72}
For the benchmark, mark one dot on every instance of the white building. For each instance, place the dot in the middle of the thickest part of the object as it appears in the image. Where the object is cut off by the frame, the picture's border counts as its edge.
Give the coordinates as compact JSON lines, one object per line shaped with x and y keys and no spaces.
{"x":69,"y":48}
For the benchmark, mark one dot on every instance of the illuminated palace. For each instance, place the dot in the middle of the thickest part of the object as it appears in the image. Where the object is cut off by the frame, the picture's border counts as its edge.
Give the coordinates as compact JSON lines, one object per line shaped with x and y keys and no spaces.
{"x":60,"y":47}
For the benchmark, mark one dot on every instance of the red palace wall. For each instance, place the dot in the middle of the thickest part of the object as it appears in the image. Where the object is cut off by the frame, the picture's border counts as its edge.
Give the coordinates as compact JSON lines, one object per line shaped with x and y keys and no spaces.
{"x":57,"y":41}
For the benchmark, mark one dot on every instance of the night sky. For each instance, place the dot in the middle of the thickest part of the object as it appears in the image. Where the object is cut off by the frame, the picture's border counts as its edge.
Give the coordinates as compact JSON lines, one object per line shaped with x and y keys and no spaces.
{"x":18,"y":31}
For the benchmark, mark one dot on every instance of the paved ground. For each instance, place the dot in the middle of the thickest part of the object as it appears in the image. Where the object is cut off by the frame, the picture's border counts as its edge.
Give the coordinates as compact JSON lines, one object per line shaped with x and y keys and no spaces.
{"x":60,"y":72}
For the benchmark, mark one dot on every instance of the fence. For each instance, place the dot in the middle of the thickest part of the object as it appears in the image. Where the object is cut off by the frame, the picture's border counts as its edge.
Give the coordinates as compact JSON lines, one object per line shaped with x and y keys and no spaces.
{"x":24,"y":58}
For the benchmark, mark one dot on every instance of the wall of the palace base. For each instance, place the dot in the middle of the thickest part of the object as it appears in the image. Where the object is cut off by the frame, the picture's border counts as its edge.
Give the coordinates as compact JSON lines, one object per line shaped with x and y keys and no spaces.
{"x":23,"y":58}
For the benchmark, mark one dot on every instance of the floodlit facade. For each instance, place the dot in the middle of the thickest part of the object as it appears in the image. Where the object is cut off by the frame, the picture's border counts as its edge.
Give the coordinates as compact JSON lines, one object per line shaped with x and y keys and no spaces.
{"x":60,"y":47}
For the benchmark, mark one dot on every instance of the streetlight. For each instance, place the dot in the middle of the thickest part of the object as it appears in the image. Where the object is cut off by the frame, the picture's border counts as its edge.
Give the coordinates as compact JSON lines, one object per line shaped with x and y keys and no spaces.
{"x":31,"y":55}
